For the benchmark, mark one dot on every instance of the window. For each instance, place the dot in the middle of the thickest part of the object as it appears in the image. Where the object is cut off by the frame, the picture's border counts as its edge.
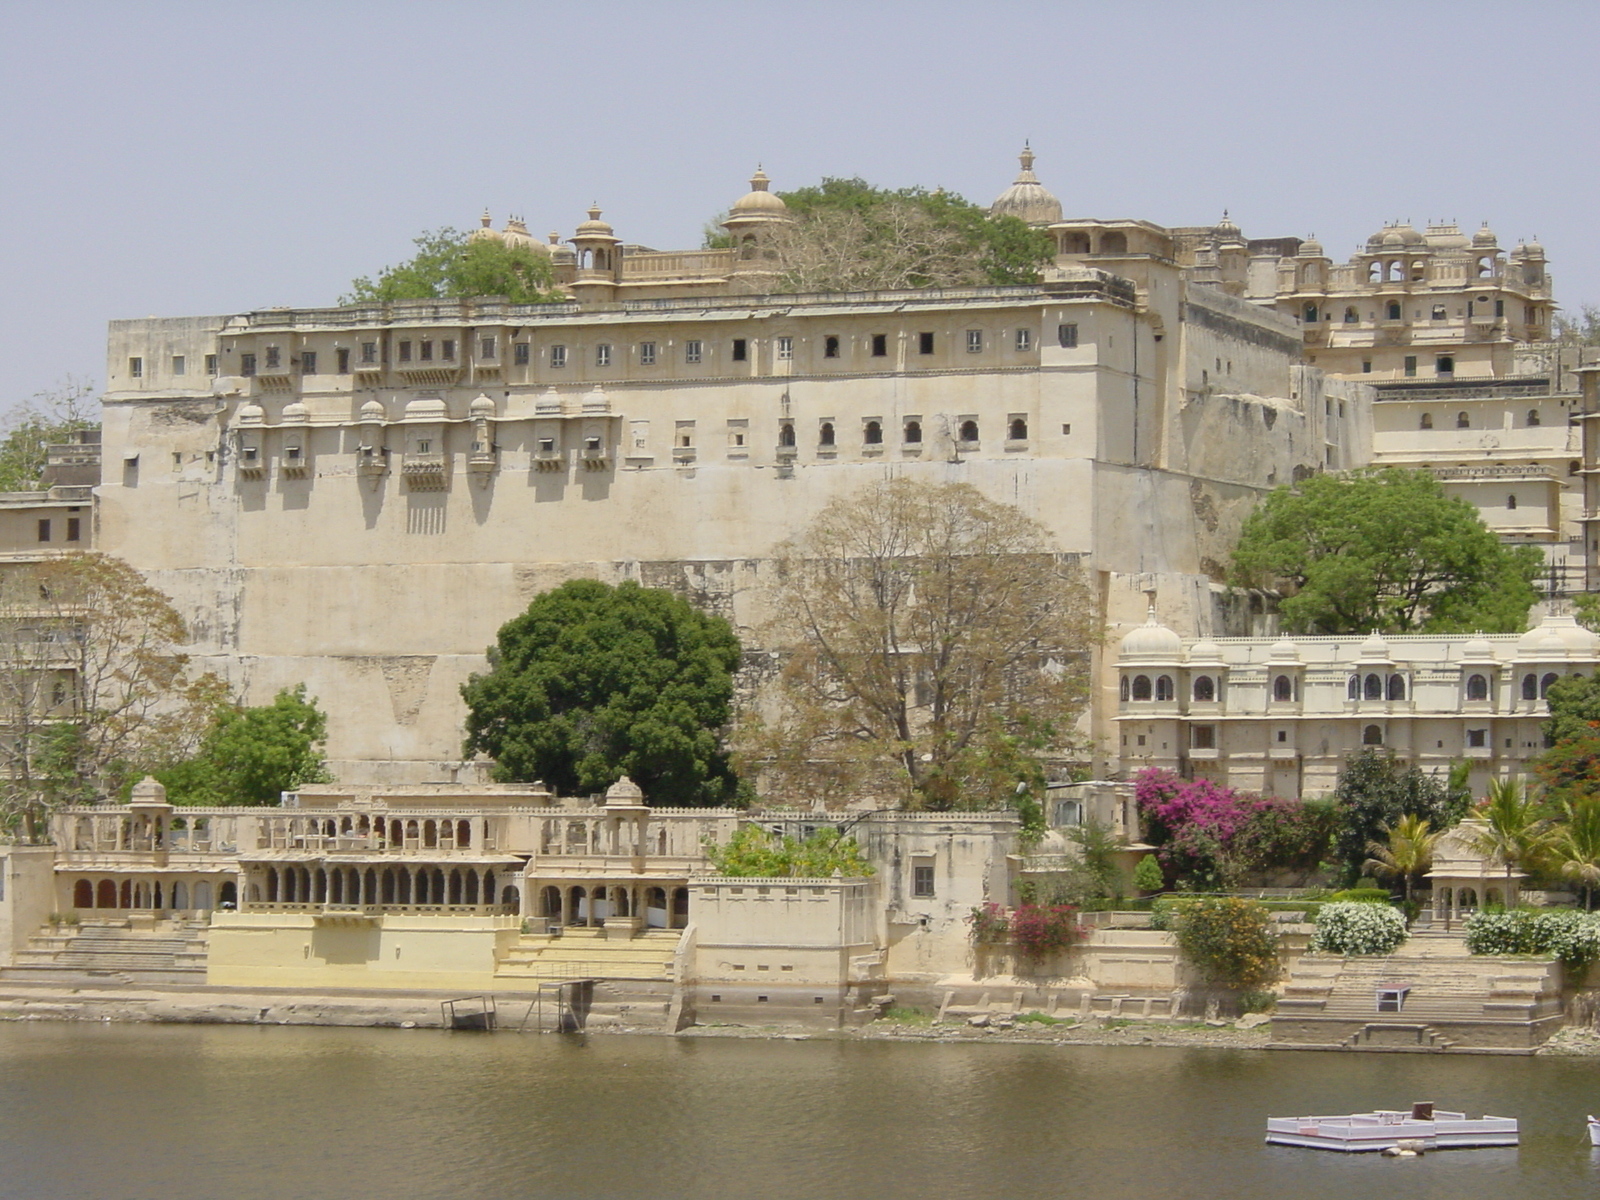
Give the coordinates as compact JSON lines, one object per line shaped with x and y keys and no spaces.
{"x":1353,"y":689}
{"x":1205,"y":689}
{"x":1141,"y":687}
{"x":405,"y":352}
{"x":1499,"y":308}
{"x":692,"y":352}
{"x":969,"y":432}
{"x":1311,"y":315}
{"x":922,"y":879}
{"x":424,"y":446}
{"x":369,"y":353}
{"x":786,"y":434}
{"x":825,"y":434}
{"x":1123,"y":693}
{"x":880,"y":345}
{"x":1533,"y":417}
{"x":1017,"y":431}
{"x":873,"y":434}
{"x":1283,"y":736}
{"x":247,"y":364}
{"x":425,"y":350}
{"x":913,"y":433}
{"x":685,"y":435}
{"x":830,"y":346}
{"x":136,"y":368}
{"x":1351,"y":317}
{"x":1372,"y":736}
{"x":602,"y":355}
{"x":1410,"y":365}
{"x":521,"y":353}
{"x":1544,"y":684}
{"x":1463,"y":421}
{"x":1530,"y":687}
{"x":1397,"y":687}
{"x":1067,"y":336}
{"x":486,"y":347}
{"x":1024,"y":339}
{"x":342,"y":360}
{"x":1477,"y":688}
{"x":74,"y":529}
{"x":741,"y":350}
{"x":1373,"y":688}
{"x":1477,"y":738}
{"x":180,"y":365}
{"x":785,"y":349}
{"x":1366,"y":366}
{"x":447,"y":349}
{"x":1426,"y":422}
{"x":44,"y":529}
{"x":1394,"y":312}
{"x":308,"y":362}
{"x":1283,"y":688}
{"x":1438,"y":312}
{"x":647,"y":354}
{"x":1202,"y":737}
{"x":558,"y":356}
{"x":924,"y":343}
{"x":273,"y":361}
{"x":1164,"y":687}
{"x":211,"y":364}
{"x":1511,"y":502}
{"x":974,"y":341}
{"x":1445,"y":364}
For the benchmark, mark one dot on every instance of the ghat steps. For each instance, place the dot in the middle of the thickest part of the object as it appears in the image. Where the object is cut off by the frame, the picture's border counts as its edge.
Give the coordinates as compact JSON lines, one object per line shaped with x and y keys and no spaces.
{"x":112,"y":952}
{"x":590,"y":954}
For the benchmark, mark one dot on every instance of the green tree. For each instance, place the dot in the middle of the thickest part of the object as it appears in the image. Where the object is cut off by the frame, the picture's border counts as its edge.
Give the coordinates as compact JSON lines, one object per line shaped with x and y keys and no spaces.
{"x":755,"y":852}
{"x":48,"y":419}
{"x":1404,"y":853}
{"x":594,"y":682}
{"x":936,"y":651}
{"x":1571,"y":768}
{"x":850,"y":236}
{"x":1574,"y":708}
{"x":1387,"y":550}
{"x":451,"y":265}
{"x":1147,"y":876}
{"x":1515,"y":827}
{"x":251,"y":756}
{"x":1375,"y":791}
{"x":1574,"y":845}
{"x":1231,"y":942}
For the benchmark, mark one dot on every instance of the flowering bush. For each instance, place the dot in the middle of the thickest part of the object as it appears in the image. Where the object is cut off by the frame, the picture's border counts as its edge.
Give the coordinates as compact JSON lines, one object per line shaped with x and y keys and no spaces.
{"x":1355,"y":927}
{"x":1231,"y":942}
{"x":989,"y":924}
{"x":1573,"y":937}
{"x":1039,"y":931}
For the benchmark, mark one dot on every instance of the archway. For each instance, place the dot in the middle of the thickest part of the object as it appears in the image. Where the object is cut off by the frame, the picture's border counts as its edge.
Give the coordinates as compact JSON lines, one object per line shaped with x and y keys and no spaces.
{"x":180,"y":895}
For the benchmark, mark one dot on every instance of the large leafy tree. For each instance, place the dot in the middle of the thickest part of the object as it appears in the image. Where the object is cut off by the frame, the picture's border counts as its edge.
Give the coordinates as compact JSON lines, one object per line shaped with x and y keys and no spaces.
{"x":594,"y":682}
{"x":850,"y":236}
{"x":936,"y":651}
{"x":1376,"y":791}
{"x":1404,"y":852}
{"x":252,"y":756}
{"x":49,"y":418}
{"x":450,"y":264}
{"x":1384,"y":549}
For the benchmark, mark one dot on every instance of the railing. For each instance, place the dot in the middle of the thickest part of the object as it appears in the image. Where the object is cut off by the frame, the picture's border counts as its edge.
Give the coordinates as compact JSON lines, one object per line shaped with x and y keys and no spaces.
{"x":1525,"y":471}
{"x":380,"y":910}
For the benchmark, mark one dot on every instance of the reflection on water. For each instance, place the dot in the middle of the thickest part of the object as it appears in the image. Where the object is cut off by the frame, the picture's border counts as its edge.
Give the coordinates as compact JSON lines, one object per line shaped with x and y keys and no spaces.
{"x":181,"y":1112}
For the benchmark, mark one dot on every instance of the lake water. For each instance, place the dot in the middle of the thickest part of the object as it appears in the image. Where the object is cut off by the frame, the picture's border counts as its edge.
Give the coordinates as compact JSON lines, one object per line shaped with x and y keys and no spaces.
{"x":139,"y":1112}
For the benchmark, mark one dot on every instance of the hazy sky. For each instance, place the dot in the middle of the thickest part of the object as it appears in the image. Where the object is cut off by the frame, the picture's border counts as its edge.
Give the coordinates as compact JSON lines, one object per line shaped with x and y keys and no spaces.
{"x":187,"y":158}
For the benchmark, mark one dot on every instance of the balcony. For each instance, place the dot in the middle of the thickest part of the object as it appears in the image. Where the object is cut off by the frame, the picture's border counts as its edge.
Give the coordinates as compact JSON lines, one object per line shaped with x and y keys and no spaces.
{"x":425,"y":472}
{"x":596,"y":456}
{"x":295,"y":463}
{"x":548,"y":458}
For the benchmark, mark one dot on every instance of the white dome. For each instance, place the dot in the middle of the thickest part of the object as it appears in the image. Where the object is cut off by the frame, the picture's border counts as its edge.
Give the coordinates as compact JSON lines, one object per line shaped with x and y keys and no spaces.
{"x":1152,"y":640}
{"x":425,"y":409}
{"x":1283,"y":650}
{"x":373,"y":410}
{"x":481,"y":406}
{"x":1027,"y":199}
{"x":1205,"y":651}
{"x":759,"y":199}
{"x":624,"y":792}
{"x":1375,"y":648}
{"x":251,"y":414}
{"x":1558,"y":637}
{"x":296,"y":413}
{"x":1476,"y":649}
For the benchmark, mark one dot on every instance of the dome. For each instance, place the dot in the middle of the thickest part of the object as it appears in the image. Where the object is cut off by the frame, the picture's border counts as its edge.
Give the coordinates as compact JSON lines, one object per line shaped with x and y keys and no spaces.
{"x":425,"y":409}
{"x":1559,"y":637}
{"x":624,"y":793}
{"x":251,"y":414}
{"x":1485,"y":238}
{"x":296,"y":412}
{"x":1446,"y":235}
{"x":1311,"y":248}
{"x":373,"y":410}
{"x":148,"y":791}
{"x":1375,"y":649}
{"x":1152,"y":640}
{"x":1533,"y":249}
{"x":1392,"y":240}
{"x":1542,"y":643}
{"x":484,"y":232}
{"x":1283,"y":650}
{"x":481,"y":406}
{"x":758,"y":199}
{"x":1027,"y":199}
{"x":594,"y":226}
{"x":516,"y":234}
{"x":1226,"y":231}
{"x":1477,"y":649}
{"x":1205,"y":651}
{"x":1408,"y":235}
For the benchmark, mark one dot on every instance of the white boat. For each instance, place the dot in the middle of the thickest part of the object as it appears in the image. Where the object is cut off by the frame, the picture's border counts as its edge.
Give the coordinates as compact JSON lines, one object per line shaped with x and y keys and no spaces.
{"x":1421,"y":1129}
{"x":1594,"y":1130}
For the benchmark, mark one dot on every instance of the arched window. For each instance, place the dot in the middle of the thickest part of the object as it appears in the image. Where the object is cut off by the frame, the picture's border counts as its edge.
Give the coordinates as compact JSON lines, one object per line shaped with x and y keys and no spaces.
{"x":1372,"y":736}
{"x":1205,"y":689}
{"x":1544,"y":684}
{"x":969,"y":431}
{"x":825,"y":434}
{"x":1374,"y":687}
{"x":1311,"y":314}
{"x":1477,"y":688}
{"x":1530,"y":687}
{"x":1426,"y":422}
{"x":1164,"y":687}
{"x":874,"y":434}
{"x":1351,"y":317}
{"x":1353,"y":689}
{"x":1397,"y":687}
{"x":1282,"y":688}
{"x":1123,"y":691}
{"x":1463,"y":421}
{"x":1511,"y":502}
{"x":1533,"y":416}
{"x":1141,"y":687}
{"x":913,"y":433}
{"x":1019,"y":430}
{"x":786,"y":434}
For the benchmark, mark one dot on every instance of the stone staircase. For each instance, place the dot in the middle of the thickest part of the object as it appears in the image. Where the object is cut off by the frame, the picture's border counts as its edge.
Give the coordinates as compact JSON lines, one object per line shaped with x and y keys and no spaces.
{"x":633,"y":975}
{"x":112,"y":953}
{"x":1453,"y":1000}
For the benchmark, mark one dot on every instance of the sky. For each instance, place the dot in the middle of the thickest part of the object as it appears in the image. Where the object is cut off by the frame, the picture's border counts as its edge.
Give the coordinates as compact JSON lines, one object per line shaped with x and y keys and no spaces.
{"x":178,"y":159}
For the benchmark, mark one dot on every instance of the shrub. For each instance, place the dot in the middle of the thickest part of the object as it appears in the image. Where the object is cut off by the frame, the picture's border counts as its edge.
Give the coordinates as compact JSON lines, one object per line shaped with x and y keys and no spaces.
{"x":989,"y":925}
{"x":1147,"y":876}
{"x":1253,"y":1002}
{"x":1355,"y":927}
{"x":1571,"y":936}
{"x":1229,"y":941}
{"x":1039,"y":931}
{"x":1362,"y":895}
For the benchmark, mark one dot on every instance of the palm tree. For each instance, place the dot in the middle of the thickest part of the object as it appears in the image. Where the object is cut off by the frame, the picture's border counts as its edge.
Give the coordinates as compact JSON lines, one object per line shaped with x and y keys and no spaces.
{"x":1515,"y":830}
{"x":1406,"y":853}
{"x":1575,"y":845}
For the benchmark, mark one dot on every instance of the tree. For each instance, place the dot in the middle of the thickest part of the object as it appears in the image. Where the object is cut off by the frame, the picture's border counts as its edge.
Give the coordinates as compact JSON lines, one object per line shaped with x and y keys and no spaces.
{"x":93,"y":688}
{"x":850,"y":236}
{"x":936,"y":650}
{"x":1574,"y":845}
{"x":1404,"y":853}
{"x":1386,"y":550}
{"x":1375,"y":790}
{"x":1231,"y":942}
{"x":754,"y":852}
{"x":1580,"y":330}
{"x":1574,"y":708}
{"x":48,"y":419}
{"x":450,"y":264}
{"x":594,"y":682}
{"x":1515,"y":827}
{"x":251,"y":756}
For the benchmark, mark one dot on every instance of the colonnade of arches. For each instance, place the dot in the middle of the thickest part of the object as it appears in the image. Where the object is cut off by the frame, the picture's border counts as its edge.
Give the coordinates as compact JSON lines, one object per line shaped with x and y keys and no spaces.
{"x":1456,"y":903}
{"x":155,"y":894}
{"x":378,"y":832}
{"x":400,"y":886}
{"x":657,"y":906}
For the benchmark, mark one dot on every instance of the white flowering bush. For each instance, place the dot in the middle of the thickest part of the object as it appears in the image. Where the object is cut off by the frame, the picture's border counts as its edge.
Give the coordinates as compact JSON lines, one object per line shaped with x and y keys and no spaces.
{"x":1356,"y":928}
{"x":1571,"y":936}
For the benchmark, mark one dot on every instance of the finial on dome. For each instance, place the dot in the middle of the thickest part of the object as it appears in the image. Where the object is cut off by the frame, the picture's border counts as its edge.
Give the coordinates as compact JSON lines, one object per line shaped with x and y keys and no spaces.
{"x":486,"y":220}
{"x":1026,"y":157}
{"x":759,"y":181}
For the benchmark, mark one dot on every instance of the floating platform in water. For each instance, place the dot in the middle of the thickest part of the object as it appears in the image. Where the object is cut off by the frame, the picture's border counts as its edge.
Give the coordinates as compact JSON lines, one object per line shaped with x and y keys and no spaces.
{"x":1422,"y":1129}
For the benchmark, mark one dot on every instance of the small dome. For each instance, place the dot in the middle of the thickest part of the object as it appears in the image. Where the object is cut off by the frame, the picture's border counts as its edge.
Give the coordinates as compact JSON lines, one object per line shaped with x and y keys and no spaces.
{"x":516,"y":234}
{"x":149,"y":791}
{"x":251,"y":414}
{"x":1283,"y":650}
{"x":1226,"y":231}
{"x":1205,"y":651}
{"x":425,"y":408}
{"x":1375,"y":649}
{"x":1484,"y":238}
{"x":485,"y":231}
{"x":1152,"y":640}
{"x":1446,"y":235}
{"x":1392,"y":240}
{"x":624,"y":792}
{"x":481,"y":406}
{"x":373,"y":410}
{"x":594,"y":226}
{"x":1311,"y":248}
{"x":1542,"y":643}
{"x":1408,"y":235}
{"x":758,"y":199}
{"x":295,"y":413}
{"x":1027,"y":199}
{"x":1477,"y":649}
{"x":1564,"y":631}
{"x":1533,"y":249}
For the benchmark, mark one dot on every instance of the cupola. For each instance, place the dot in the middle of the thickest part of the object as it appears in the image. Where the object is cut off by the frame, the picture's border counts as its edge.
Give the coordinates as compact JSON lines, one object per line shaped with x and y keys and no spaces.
{"x":1027,"y":199}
